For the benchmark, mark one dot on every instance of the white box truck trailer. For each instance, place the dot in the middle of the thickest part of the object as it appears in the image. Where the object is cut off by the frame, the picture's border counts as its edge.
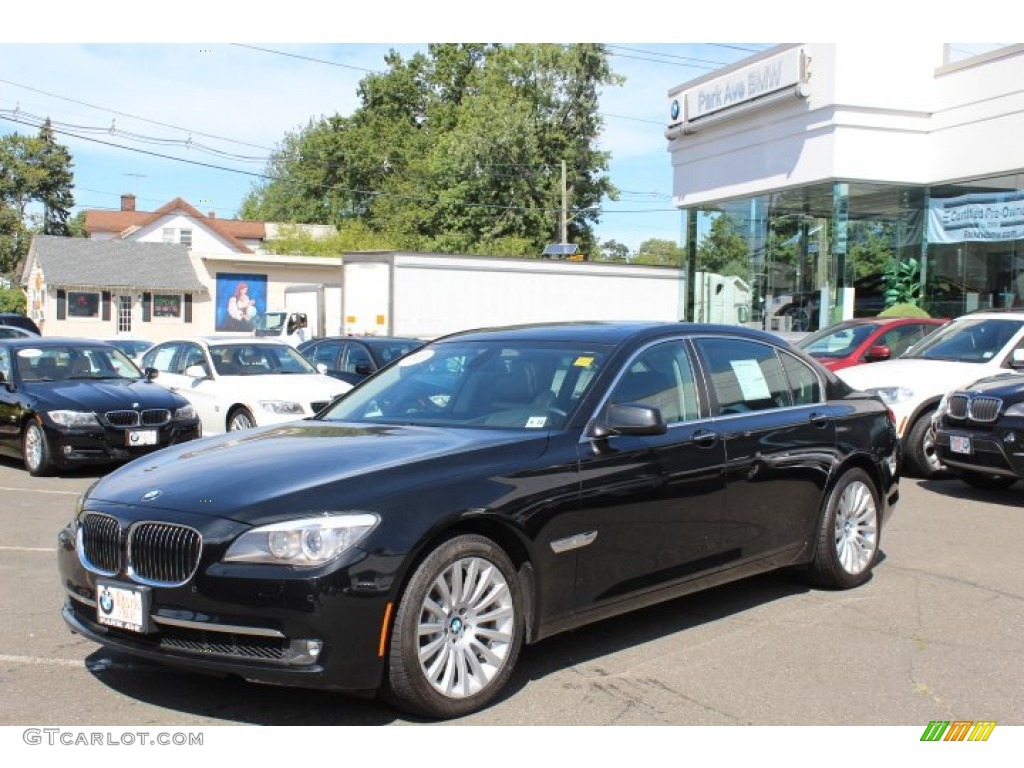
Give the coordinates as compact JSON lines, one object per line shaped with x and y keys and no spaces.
{"x":428,"y":295}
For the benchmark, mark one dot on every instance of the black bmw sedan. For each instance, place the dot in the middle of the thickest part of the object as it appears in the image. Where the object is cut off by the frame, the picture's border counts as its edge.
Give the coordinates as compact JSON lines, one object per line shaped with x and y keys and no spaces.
{"x":66,"y":402}
{"x":487,"y":491}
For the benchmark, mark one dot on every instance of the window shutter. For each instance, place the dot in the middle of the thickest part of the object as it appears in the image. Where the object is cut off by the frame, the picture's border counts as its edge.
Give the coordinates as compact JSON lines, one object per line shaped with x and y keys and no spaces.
{"x":106,"y":305}
{"x":62,"y":304}
{"x":188,"y":307}
{"x":147,"y":306}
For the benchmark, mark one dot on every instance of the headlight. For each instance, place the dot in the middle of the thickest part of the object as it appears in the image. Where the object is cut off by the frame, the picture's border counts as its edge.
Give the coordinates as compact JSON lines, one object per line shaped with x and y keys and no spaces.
{"x":185,"y":413}
{"x":311,"y":541}
{"x":73,"y":418}
{"x":281,"y":406}
{"x":892,"y":395}
{"x":1015,"y":410}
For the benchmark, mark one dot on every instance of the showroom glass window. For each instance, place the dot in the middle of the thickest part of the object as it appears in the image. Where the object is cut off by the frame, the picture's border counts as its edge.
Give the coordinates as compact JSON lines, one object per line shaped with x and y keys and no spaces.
{"x":83,"y":304}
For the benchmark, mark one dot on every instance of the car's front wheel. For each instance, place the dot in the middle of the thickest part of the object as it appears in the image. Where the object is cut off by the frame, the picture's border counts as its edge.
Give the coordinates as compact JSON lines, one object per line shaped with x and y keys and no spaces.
{"x":458,"y":630}
{"x":240,"y":418}
{"x":848,"y":533}
{"x":36,"y":450}
{"x":922,"y":460}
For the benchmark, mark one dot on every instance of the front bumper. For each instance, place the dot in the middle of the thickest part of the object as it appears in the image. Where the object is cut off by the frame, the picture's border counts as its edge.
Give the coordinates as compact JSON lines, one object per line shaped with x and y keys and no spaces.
{"x":997,"y":451}
{"x":106,"y":445}
{"x":266,"y":624}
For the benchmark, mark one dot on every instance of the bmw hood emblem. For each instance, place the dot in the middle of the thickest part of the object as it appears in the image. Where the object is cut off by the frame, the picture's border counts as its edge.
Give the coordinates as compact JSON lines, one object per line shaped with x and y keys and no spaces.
{"x":151,"y":495}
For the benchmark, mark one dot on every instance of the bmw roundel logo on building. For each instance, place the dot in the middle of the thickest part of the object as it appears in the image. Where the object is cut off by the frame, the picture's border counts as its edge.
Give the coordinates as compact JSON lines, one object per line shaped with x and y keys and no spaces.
{"x":675,"y":109}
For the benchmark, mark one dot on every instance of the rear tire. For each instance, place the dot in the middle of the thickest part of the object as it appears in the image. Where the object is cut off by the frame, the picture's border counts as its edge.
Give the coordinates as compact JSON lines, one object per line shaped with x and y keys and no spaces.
{"x":35,"y":449}
{"x":922,"y":459}
{"x":458,"y":630}
{"x":849,"y":533}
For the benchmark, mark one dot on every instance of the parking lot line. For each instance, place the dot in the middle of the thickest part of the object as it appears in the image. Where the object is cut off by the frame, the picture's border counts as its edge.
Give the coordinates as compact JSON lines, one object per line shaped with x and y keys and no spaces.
{"x":41,"y":490}
{"x":49,"y":550}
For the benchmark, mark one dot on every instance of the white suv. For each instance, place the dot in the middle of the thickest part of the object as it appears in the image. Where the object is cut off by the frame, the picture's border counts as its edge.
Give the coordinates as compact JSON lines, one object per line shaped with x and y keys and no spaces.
{"x":962,"y":351}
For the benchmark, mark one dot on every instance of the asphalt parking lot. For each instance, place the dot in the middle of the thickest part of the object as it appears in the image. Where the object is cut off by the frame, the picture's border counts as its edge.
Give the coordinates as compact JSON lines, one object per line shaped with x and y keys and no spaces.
{"x":937,"y":634}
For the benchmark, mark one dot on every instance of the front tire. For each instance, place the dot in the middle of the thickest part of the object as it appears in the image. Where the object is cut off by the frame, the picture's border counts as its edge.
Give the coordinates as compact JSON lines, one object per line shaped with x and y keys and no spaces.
{"x":458,"y":630}
{"x":240,"y":418}
{"x":36,"y":450}
{"x":849,"y":532}
{"x":922,"y":459}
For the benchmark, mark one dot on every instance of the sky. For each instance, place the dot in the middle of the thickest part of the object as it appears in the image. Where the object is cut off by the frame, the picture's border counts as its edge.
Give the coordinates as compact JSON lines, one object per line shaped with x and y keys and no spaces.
{"x":147,"y":107}
{"x":199,"y":120}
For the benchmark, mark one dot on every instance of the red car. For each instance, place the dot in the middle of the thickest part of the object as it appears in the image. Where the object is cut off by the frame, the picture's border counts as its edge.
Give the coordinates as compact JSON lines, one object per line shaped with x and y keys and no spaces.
{"x":866,"y":340}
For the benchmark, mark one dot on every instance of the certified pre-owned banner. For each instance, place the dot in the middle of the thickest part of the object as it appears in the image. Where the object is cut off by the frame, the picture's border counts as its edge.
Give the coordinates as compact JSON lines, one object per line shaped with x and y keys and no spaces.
{"x":980,"y":217}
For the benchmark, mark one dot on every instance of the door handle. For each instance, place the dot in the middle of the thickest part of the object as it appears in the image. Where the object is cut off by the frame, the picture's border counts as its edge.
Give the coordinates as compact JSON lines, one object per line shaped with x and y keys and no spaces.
{"x":705,"y":438}
{"x":819,"y":419}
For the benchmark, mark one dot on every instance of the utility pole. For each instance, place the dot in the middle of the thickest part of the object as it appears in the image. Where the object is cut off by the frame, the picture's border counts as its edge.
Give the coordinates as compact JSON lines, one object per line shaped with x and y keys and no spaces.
{"x":565,"y":208}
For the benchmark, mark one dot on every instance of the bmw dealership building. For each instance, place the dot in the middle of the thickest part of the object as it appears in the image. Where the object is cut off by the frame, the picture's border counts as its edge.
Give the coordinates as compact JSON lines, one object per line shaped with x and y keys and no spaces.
{"x":835,"y":163}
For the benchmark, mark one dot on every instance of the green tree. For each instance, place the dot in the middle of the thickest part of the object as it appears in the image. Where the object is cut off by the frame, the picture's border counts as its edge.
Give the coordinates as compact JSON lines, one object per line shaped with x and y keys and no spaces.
{"x":659,"y":252}
{"x":457,"y":149}
{"x":12,"y":300}
{"x":724,"y":250}
{"x":612,"y":250}
{"x":33,"y":170}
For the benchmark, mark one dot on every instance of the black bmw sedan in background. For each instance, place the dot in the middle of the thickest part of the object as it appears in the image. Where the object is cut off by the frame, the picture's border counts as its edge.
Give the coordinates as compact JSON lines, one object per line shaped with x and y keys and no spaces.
{"x":66,"y":402}
{"x":486,"y":491}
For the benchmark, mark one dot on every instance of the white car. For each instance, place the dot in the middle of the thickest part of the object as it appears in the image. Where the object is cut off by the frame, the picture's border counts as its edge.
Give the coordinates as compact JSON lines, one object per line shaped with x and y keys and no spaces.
{"x":962,"y":351}
{"x":237,"y":383}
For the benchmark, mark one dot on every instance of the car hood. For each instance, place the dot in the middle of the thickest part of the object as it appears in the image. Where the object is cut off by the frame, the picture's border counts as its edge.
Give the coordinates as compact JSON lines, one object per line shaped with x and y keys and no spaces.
{"x":297,"y":386}
{"x":925,"y":377}
{"x":245,"y":476}
{"x":102,"y":395}
{"x":1007,"y":386}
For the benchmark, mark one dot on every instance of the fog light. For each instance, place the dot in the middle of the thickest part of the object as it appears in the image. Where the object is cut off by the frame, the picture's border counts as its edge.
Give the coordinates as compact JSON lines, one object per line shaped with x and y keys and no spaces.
{"x":304,"y":651}
{"x":1009,"y":438}
{"x":67,"y":450}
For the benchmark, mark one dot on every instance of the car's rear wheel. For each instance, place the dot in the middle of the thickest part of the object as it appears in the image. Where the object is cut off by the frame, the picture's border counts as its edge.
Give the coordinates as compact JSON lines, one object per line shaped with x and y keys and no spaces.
{"x":849,"y":532}
{"x":922,"y":459}
{"x":36,"y":450}
{"x":240,"y":418}
{"x":987,"y":481}
{"x":457,"y":631}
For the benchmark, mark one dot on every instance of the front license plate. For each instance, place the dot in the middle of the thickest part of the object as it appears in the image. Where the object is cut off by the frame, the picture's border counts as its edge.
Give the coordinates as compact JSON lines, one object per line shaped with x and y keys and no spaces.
{"x":959,"y":444}
{"x":121,"y":606}
{"x":141,"y":437}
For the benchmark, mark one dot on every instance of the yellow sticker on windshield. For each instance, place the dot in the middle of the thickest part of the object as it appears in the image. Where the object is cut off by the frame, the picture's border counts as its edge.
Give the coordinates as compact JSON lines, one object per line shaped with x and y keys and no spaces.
{"x":583,"y":362}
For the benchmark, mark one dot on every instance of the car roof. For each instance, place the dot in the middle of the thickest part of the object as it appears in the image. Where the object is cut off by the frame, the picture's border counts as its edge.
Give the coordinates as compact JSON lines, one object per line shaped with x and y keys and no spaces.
{"x":54,"y":341}
{"x":208,"y":340}
{"x":606,"y":332}
{"x":365,"y":340}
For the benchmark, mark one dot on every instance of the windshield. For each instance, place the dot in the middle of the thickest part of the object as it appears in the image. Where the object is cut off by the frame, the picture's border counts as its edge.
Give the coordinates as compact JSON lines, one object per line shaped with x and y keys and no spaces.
{"x":488,"y":384}
{"x":271,"y":321}
{"x":836,"y":342}
{"x":258,"y":359}
{"x":65,"y":363}
{"x":968,"y":340}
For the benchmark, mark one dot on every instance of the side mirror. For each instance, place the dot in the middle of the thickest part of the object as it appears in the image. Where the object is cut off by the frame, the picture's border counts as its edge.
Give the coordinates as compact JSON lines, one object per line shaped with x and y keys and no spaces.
{"x":322,"y":367}
{"x":877,"y":353}
{"x":1017,"y":358}
{"x":197,"y":372}
{"x":151,"y":373}
{"x":8,"y":385}
{"x":629,"y":419}
{"x":364,"y":369}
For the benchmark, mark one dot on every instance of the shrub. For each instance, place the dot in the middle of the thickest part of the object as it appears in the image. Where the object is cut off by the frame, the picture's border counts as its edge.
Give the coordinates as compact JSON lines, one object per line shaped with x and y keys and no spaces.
{"x":903,"y":310}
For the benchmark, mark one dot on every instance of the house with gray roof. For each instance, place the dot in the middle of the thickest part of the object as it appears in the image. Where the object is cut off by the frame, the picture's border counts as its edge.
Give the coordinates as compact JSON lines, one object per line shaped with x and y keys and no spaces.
{"x":103,"y":288}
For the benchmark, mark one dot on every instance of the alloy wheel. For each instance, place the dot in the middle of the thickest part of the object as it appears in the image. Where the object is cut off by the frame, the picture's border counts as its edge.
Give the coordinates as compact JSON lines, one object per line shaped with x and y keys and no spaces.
{"x":856,"y":528}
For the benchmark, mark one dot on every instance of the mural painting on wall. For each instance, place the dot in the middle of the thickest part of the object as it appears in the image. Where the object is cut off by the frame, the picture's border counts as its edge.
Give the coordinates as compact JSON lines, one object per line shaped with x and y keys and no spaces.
{"x":240,"y":301}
